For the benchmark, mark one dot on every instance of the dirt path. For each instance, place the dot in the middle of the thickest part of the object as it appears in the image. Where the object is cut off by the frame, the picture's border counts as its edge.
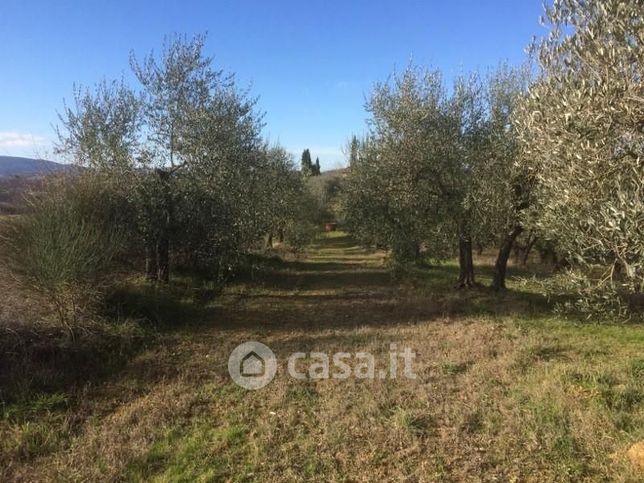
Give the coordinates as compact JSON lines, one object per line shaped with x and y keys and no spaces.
{"x":492,"y":400}
{"x":336,"y":284}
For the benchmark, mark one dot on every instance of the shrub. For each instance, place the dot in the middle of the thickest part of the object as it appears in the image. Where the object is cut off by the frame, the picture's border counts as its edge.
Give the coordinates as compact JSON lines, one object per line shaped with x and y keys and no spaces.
{"x":62,"y":249}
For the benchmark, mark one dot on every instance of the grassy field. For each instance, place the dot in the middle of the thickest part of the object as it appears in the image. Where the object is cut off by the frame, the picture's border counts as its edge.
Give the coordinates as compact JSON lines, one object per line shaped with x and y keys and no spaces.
{"x":505,"y":390}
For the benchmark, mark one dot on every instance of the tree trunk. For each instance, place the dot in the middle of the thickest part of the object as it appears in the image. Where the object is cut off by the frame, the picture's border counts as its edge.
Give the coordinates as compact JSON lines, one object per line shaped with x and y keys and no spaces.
{"x":470,"y":263}
{"x":501,"y":265}
{"x":163,"y":241}
{"x":163,"y":259}
{"x":150,"y":262}
{"x":528,"y":249}
{"x":465,"y":261}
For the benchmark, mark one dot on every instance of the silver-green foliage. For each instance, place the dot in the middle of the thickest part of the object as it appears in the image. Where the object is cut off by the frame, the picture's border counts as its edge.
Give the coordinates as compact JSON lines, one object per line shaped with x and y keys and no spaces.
{"x":185,"y":148}
{"x":499,"y":189}
{"x":398,"y":175}
{"x":429,"y":169}
{"x":288,"y":205}
{"x":582,"y":137}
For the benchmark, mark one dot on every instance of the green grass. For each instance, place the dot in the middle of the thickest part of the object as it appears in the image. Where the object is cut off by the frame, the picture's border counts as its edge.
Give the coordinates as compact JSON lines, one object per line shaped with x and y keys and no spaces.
{"x":200,"y":453}
{"x":454,"y":368}
{"x":506,"y":390}
{"x":39,"y":404}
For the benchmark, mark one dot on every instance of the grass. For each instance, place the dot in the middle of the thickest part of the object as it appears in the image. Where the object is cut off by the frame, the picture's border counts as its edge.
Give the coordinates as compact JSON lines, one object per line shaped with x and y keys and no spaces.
{"x":198,"y":453}
{"x":505,"y":389}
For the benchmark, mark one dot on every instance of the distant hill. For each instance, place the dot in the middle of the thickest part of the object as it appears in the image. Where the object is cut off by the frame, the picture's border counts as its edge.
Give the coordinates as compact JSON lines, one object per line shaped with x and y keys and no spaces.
{"x":12,"y":166}
{"x":339,"y":172}
{"x":13,"y":190}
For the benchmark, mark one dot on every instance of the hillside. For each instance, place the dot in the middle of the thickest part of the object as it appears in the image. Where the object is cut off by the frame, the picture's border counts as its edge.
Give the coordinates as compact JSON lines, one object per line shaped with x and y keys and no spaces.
{"x":19,"y":176}
{"x":11,"y":166}
{"x":13,"y":191}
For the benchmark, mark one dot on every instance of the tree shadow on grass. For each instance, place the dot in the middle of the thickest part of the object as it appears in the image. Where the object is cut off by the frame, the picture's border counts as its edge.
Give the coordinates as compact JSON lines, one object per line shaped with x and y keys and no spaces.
{"x":321,"y":312}
{"x":345,"y":242}
{"x":348,"y":292}
{"x":46,"y":359}
{"x":337,"y":298}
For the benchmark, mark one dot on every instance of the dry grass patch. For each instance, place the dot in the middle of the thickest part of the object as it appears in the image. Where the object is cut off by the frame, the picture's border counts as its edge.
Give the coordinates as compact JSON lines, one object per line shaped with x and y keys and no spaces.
{"x":505,"y":395}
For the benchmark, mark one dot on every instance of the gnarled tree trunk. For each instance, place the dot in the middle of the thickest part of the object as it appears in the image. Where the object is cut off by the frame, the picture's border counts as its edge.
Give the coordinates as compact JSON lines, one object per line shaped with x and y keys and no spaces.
{"x":465,"y":261}
{"x":501,"y":265}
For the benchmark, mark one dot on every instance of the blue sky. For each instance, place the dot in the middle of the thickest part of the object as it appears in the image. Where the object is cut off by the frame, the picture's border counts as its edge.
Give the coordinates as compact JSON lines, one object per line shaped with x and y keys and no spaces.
{"x":310,"y":62}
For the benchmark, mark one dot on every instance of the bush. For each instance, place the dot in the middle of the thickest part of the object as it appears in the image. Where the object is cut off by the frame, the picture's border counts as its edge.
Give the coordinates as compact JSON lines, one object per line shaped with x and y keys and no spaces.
{"x":62,"y":249}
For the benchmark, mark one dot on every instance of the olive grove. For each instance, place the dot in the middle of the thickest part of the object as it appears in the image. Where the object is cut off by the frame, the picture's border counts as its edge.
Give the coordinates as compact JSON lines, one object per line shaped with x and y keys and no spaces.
{"x":437,"y":170}
{"x":554,"y":156}
{"x":176,"y":166}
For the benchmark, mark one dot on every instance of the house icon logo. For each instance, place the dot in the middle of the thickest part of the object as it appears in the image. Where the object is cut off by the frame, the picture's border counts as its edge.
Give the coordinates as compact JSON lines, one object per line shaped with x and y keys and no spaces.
{"x":252,"y":365}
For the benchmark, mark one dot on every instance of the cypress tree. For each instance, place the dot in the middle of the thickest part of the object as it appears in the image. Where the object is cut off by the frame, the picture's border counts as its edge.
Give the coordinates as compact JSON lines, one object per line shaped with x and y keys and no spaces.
{"x":307,"y":164}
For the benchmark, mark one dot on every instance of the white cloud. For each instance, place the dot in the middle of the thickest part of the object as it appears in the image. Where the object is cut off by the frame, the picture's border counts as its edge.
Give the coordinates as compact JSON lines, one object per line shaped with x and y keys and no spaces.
{"x":10,"y":139}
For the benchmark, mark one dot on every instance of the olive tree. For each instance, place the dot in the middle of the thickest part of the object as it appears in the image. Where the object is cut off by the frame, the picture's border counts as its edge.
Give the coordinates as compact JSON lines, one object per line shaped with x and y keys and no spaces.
{"x":187,"y":108}
{"x":187,"y":143}
{"x":466,"y":123}
{"x":500,"y":189}
{"x":582,"y":134}
{"x":411,"y":180}
{"x":289,"y":209}
{"x":397,"y":183}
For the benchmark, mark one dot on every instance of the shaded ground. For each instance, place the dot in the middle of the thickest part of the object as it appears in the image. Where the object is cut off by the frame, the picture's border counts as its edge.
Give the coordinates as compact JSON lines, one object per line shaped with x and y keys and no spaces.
{"x":504,"y":390}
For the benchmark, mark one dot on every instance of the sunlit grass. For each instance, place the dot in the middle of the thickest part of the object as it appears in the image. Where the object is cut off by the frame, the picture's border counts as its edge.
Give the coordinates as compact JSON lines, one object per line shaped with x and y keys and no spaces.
{"x":505,"y":390}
